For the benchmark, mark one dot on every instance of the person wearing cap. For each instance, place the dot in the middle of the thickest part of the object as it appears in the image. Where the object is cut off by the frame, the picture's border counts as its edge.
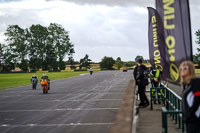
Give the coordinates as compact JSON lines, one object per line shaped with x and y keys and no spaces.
{"x":45,"y":77}
{"x":142,"y":81}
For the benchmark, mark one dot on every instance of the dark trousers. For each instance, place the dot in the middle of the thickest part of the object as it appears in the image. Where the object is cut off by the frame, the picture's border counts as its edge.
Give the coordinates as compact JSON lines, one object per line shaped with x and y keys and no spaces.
{"x":91,"y":72}
{"x":193,"y":127}
{"x":143,"y":97}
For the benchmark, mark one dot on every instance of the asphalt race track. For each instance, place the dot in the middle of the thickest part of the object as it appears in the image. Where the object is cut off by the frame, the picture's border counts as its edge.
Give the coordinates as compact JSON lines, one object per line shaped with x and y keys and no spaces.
{"x":83,"y":104}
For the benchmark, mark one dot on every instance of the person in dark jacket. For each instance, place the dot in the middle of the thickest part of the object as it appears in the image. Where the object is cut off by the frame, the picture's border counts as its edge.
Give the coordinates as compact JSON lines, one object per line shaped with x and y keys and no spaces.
{"x":141,"y":81}
{"x":190,"y":97}
{"x":34,"y":81}
{"x":34,"y":77}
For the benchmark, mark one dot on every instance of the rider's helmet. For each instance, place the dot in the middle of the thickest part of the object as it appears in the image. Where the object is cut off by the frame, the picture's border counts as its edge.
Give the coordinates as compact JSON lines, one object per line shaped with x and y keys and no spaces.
{"x":44,"y":74}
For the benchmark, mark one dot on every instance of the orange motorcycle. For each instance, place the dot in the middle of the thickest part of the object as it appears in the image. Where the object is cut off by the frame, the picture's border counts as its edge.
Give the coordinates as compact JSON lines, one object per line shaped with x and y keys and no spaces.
{"x":44,"y":86}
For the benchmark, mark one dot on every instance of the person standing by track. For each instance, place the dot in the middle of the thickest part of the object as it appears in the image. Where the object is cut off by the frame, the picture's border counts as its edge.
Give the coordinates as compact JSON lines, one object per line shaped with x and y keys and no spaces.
{"x":142,"y":81}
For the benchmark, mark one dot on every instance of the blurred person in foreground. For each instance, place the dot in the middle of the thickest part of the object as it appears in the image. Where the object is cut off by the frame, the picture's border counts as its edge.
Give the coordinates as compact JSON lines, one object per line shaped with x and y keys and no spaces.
{"x":190,"y":97}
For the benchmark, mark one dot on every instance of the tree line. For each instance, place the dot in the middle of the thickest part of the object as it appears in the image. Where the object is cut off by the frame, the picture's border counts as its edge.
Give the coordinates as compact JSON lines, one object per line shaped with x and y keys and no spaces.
{"x":36,"y":47}
{"x":107,"y":63}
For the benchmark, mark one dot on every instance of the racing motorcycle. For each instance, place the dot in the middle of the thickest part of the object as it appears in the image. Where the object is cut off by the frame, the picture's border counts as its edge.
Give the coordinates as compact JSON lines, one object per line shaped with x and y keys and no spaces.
{"x":44,"y":86}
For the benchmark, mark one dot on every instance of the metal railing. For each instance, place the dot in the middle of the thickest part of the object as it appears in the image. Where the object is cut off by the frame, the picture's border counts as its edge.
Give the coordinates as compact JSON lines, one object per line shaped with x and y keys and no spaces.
{"x":156,"y":98}
{"x":172,"y":107}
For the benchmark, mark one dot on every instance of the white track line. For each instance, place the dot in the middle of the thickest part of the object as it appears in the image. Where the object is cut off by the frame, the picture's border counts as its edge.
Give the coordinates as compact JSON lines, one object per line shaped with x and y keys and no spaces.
{"x":50,"y":110}
{"x":84,"y":74}
{"x":80,"y":100}
{"x":50,"y":125}
{"x":69,"y":94}
{"x":30,"y":90}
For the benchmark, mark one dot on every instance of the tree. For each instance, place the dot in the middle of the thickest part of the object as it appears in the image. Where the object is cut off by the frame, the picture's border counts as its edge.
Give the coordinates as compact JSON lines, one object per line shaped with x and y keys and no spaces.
{"x":146,"y":61}
{"x":196,"y":58}
{"x":107,"y":62}
{"x":48,"y":46}
{"x":8,"y":60}
{"x":85,"y":62}
{"x":129,"y":64}
{"x":118,"y":63}
{"x":16,"y":41}
{"x":51,"y":57}
{"x":1,"y":56}
{"x":37,"y":40}
{"x":71,"y":62}
{"x":37,"y":47}
{"x":60,"y":38}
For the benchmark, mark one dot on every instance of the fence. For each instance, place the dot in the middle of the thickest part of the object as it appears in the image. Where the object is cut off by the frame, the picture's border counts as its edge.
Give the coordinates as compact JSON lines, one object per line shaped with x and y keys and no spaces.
{"x":172,"y":107}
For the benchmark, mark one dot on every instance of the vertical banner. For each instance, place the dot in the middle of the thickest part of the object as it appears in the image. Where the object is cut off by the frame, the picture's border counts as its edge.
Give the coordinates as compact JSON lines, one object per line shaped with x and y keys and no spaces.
{"x":157,"y":48}
{"x":177,"y":34}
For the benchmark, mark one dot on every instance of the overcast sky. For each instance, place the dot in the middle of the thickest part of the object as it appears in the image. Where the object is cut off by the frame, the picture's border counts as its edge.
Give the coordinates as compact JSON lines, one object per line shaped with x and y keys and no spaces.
{"x":116,"y":28}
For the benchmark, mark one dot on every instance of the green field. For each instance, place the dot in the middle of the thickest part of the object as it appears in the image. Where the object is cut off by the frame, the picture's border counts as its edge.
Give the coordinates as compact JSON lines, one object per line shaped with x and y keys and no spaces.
{"x":19,"y":79}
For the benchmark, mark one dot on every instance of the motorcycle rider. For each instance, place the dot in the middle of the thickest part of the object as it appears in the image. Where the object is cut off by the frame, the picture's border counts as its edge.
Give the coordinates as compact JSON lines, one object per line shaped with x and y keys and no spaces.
{"x":91,"y":70}
{"x":45,"y":77}
{"x":34,"y":79}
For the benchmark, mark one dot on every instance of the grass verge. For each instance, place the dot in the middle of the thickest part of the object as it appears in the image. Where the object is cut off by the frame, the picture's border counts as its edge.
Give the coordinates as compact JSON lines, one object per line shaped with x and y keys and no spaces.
{"x":20,"y":79}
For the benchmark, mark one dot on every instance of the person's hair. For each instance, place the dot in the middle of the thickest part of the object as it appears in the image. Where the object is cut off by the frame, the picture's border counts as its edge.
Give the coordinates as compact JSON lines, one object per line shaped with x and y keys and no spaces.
{"x":191,"y":69}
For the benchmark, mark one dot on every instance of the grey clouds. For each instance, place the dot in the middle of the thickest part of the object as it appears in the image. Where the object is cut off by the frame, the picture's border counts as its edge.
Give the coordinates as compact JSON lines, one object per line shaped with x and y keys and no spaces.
{"x":97,"y":27}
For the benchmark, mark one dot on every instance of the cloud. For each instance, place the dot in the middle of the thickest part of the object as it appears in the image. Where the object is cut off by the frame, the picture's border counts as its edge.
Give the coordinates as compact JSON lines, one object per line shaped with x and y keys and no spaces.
{"x":112,"y":2}
{"x":98,"y":30}
{"x":4,"y":1}
{"x":96,"y":27}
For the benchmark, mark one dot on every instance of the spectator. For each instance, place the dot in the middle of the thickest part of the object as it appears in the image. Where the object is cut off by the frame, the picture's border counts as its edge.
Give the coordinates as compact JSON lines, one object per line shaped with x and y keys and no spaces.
{"x":190,"y":97}
{"x":142,"y":82}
